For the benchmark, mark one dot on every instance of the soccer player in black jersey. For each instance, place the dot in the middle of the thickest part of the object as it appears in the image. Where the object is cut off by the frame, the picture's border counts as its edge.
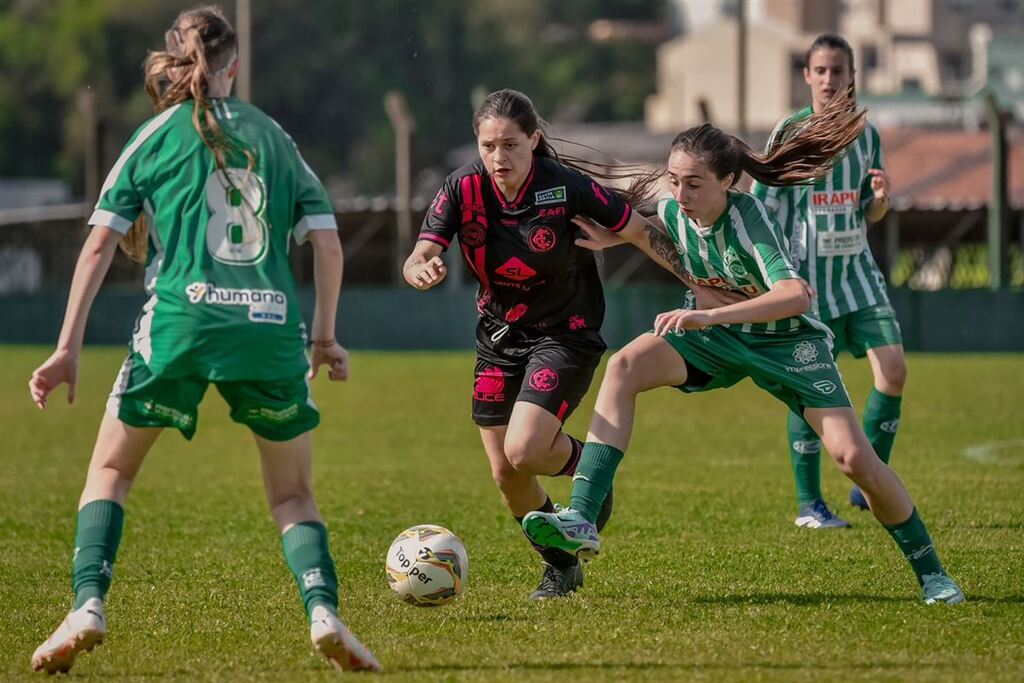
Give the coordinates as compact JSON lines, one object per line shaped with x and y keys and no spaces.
{"x":540,"y":298}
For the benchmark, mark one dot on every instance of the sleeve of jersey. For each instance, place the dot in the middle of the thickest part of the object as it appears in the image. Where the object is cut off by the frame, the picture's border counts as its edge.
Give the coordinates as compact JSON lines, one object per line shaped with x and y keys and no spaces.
{"x":600,"y":204}
{"x":120,"y":201}
{"x":876,"y":161}
{"x":313,"y":206}
{"x":441,"y":222}
{"x":762,"y":239}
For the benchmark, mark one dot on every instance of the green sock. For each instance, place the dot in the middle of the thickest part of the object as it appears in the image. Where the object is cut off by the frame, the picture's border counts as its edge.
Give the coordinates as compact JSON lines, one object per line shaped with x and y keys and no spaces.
{"x":881,"y":420}
{"x":307,"y":554}
{"x":96,"y":540}
{"x":913,"y":539}
{"x":805,"y":454}
{"x":593,"y":478}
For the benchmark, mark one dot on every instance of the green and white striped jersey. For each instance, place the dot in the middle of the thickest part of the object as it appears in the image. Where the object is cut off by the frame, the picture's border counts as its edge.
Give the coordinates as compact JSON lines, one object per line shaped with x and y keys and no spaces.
{"x":826,"y":228}
{"x":743,"y":251}
{"x":223,"y":302}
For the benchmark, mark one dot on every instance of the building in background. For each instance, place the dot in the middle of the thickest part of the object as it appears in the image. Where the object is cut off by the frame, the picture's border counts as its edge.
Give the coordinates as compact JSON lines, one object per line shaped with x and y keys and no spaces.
{"x":915,"y":56}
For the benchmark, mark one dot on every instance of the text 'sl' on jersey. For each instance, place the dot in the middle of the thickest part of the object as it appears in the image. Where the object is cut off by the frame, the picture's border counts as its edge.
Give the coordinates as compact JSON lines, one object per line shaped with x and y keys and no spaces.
{"x":743,"y":251}
{"x":826,"y":226}
{"x":523,"y":252}
{"x":222,"y":301}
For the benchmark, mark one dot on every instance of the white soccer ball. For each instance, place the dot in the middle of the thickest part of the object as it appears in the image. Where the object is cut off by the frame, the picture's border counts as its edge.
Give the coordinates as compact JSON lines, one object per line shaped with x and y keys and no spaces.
{"x":427,"y":565}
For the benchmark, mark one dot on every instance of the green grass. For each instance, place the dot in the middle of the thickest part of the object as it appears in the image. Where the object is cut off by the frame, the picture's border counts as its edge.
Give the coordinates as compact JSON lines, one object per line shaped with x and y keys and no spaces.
{"x":703,"y":575}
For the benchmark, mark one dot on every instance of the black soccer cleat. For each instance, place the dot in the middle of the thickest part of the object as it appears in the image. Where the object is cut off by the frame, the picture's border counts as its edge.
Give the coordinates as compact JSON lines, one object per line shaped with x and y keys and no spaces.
{"x":558,"y":582}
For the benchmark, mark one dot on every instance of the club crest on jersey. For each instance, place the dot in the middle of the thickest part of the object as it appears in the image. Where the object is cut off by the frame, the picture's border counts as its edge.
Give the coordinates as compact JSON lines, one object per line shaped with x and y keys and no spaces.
{"x":541,"y":239}
{"x":733,"y":263}
{"x":472,"y":235}
{"x":552,"y":195}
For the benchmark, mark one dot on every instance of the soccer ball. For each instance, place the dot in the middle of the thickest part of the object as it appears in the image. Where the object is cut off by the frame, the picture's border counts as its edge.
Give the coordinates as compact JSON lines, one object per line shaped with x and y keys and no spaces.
{"x":427,"y":565}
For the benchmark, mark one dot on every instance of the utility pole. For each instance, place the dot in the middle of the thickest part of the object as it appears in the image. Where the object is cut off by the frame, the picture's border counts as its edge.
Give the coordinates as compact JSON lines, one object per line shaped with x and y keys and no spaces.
{"x":404,"y":125}
{"x":999,"y":205}
{"x":243,"y":25}
{"x":741,"y":75}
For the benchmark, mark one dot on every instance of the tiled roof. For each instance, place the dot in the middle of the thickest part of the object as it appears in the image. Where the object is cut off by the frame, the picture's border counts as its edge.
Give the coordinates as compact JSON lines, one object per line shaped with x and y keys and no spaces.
{"x":942,"y":169}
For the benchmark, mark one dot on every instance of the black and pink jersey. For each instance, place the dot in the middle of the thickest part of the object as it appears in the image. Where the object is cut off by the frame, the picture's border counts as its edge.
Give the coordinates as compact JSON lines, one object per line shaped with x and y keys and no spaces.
{"x":531,"y":273}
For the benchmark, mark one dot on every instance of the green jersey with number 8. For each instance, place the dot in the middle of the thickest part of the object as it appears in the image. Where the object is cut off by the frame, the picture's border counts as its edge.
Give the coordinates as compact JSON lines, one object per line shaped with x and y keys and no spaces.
{"x":222,"y":300}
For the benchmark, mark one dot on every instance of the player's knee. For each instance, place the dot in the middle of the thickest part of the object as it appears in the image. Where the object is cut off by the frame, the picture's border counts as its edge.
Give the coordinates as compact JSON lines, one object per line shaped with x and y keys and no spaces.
{"x":894,"y":376}
{"x":621,"y":368}
{"x":859,"y":464}
{"x":524,"y":453}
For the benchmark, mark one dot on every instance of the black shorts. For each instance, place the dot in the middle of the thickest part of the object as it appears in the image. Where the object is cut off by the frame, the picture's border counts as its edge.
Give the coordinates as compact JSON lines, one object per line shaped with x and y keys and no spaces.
{"x":552,"y":371}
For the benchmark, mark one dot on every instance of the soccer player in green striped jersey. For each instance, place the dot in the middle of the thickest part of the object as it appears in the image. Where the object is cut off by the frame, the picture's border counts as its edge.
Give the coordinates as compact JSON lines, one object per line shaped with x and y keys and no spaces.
{"x":826,"y":225}
{"x":222,"y":189}
{"x":727,"y":239}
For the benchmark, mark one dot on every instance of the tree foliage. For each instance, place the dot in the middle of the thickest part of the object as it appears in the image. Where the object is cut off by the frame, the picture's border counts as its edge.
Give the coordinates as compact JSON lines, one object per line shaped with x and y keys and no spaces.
{"x":321,"y":68}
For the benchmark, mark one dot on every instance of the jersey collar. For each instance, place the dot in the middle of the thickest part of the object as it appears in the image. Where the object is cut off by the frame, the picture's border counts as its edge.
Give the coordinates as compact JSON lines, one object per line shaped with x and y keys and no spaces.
{"x":514,"y":204}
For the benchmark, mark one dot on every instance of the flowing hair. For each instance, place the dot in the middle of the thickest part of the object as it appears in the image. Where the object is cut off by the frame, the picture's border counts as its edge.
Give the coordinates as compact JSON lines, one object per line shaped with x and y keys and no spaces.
{"x":516,"y":106}
{"x":200,"y":45}
{"x":800,"y":157}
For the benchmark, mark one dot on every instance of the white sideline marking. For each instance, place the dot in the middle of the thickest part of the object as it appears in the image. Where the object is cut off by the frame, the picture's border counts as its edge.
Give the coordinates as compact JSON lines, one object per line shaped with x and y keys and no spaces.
{"x":996,"y":452}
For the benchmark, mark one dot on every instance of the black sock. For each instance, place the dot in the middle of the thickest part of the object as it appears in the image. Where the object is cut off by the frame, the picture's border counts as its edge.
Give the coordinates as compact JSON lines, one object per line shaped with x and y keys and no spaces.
{"x":575,"y":451}
{"x":553,"y":556}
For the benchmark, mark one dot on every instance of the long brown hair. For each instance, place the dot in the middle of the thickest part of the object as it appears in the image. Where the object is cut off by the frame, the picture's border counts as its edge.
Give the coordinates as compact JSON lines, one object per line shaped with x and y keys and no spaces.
{"x":809,"y":151}
{"x":516,"y":106}
{"x":200,"y":44}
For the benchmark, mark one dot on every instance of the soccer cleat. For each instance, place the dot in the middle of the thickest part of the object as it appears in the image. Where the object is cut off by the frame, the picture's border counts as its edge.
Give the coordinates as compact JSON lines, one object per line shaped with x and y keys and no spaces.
{"x":81,"y":631}
{"x":558,"y":582}
{"x":940,"y":588}
{"x":818,"y":516}
{"x":333,"y":640}
{"x":565,"y":529}
{"x":857,"y":499}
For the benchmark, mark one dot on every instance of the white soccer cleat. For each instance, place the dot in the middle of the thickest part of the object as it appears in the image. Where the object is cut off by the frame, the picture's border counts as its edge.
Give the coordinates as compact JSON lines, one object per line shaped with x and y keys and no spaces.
{"x":81,"y":631}
{"x":333,"y":640}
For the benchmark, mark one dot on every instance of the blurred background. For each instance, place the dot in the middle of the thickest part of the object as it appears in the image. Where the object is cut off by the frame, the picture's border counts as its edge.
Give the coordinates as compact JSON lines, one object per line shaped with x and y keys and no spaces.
{"x":379,"y":98}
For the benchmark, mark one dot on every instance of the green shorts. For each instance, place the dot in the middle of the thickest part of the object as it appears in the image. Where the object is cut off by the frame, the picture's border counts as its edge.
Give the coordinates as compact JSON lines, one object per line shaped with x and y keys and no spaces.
{"x":865,"y":329}
{"x":796,"y":369}
{"x":277,"y":410}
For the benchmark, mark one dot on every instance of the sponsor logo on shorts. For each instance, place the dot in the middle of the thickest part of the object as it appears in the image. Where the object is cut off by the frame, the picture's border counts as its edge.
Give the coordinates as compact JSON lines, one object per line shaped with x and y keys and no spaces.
{"x":173,"y":415}
{"x":733,"y":263}
{"x":489,"y":386}
{"x":265,"y":305}
{"x":811,"y":368}
{"x":577,"y":322}
{"x":552,"y":195}
{"x":825,"y":386}
{"x":541,"y":239}
{"x":271,"y":415}
{"x":807,"y":447}
{"x":472,"y":235}
{"x":544,"y":379}
{"x":805,"y":352}
{"x":890,"y":426}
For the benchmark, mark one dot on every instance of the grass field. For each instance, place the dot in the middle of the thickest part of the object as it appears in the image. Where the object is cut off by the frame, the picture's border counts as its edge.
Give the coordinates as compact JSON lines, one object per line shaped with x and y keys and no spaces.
{"x":703,"y":574}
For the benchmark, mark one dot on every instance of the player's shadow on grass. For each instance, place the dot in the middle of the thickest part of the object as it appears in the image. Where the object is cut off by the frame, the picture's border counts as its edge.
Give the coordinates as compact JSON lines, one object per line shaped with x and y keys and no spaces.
{"x":814,"y":599}
{"x":798,"y":599}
